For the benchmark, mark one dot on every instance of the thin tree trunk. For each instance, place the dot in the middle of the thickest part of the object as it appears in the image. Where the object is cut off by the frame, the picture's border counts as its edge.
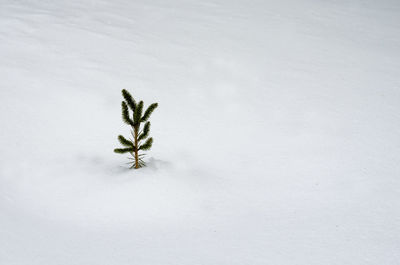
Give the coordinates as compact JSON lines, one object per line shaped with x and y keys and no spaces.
{"x":136,"y":130}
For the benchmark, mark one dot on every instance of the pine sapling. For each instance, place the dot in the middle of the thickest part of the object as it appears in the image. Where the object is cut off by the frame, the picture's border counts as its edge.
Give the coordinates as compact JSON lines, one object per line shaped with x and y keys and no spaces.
{"x":135,"y":144}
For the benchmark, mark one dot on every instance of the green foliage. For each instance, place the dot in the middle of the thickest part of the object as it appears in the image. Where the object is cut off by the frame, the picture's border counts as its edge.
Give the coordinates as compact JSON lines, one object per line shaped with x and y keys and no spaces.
{"x":125,"y":114}
{"x":123,"y":150}
{"x":146,"y":130}
{"x":147,"y":145}
{"x":149,"y":111}
{"x":125,"y":142}
{"x":133,"y":146}
{"x":137,"y":115}
{"x":129,"y":99}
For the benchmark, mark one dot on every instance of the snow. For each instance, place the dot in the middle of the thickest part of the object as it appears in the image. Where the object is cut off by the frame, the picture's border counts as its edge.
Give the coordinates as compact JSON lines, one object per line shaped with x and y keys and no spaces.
{"x":276,"y":140}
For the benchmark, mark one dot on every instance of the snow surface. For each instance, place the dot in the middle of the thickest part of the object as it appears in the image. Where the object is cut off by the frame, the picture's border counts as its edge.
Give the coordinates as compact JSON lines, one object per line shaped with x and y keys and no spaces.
{"x":277,"y":137}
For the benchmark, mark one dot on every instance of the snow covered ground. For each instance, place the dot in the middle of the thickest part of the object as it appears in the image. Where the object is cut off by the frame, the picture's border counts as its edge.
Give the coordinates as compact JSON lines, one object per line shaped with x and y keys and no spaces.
{"x":277,"y":137}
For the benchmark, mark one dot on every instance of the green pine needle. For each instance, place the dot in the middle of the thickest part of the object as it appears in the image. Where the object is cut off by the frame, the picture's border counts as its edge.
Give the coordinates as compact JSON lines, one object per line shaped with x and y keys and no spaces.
{"x":125,"y":142}
{"x":145,"y":133}
{"x":129,"y":99}
{"x":147,"y":145}
{"x":137,"y":114}
{"x":125,"y":114}
{"x":149,"y":111}
{"x":123,"y":150}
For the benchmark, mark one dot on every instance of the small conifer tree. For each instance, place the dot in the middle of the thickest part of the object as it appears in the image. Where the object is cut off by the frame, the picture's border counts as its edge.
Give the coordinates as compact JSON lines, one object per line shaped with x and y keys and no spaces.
{"x":133,"y":146}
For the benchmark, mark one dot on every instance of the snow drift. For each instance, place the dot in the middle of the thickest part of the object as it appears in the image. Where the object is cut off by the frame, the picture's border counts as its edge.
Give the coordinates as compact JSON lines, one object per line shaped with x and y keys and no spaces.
{"x":276,"y":137}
